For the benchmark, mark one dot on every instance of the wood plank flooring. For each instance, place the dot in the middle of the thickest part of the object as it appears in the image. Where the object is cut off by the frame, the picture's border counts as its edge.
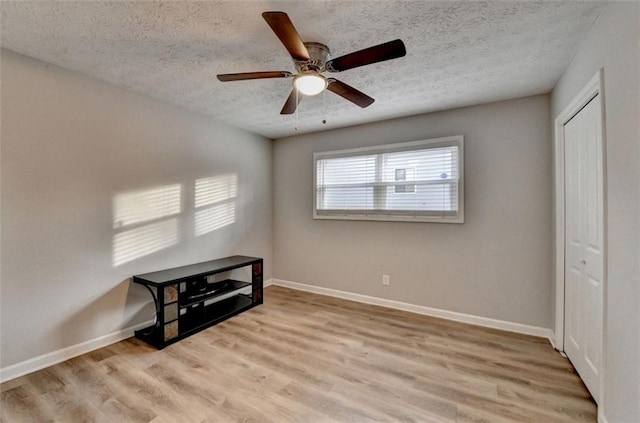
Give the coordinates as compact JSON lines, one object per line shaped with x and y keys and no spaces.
{"x":302,"y":357}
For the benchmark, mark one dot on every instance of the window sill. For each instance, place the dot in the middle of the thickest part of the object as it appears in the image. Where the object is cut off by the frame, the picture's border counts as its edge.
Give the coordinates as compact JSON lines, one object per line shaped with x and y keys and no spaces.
{"x":419,"y":219}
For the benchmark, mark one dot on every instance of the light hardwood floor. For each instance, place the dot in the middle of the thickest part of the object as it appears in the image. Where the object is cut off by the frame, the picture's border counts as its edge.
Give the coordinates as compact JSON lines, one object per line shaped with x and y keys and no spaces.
{"x":307,"y":358}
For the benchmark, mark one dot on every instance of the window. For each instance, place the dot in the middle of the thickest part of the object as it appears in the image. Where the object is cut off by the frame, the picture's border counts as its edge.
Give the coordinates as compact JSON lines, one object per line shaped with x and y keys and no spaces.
{"x":401,"y":175}
{"x":414,"y":181}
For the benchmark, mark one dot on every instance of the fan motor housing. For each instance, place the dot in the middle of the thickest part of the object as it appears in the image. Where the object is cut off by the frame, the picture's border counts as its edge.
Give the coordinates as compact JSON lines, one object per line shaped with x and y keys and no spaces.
{"x":318,"y":56}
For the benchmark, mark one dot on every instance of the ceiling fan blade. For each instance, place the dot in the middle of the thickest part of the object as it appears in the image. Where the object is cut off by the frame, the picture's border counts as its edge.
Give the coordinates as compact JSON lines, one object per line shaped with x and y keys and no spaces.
{"x":291,"y":104}
{"x":226,"y":77}
{"x":284,"y":29}
{"x":380,"y":53}
{"x":348,"y":92}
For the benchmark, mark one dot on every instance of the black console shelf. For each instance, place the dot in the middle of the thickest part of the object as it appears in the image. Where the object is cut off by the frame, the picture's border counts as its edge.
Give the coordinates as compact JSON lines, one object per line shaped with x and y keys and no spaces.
{"x":187,"y":301}
{"x":215,"y":313}
{"x":226,"y":286}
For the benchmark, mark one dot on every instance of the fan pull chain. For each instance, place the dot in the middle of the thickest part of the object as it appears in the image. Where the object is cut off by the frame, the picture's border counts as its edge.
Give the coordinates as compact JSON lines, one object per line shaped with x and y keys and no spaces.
{"x":297,"y":104}
{"x":324,"y":106}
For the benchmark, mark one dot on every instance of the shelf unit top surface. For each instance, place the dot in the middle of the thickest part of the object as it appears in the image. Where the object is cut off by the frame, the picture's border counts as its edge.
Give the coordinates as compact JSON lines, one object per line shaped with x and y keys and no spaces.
{"x":178,"y":274}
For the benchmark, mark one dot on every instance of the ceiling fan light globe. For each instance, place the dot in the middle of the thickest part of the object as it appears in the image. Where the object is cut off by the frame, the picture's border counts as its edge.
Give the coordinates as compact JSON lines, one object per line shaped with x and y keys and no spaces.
{"x":310,"y":83}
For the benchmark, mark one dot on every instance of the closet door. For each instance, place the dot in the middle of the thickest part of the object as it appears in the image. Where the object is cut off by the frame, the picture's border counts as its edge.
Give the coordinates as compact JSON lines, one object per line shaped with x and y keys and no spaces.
{"x":584,"y":260}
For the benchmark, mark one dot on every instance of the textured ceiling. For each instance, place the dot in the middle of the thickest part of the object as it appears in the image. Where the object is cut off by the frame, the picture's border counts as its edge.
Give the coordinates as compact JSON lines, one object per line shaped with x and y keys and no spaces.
{"x":458,"y":53}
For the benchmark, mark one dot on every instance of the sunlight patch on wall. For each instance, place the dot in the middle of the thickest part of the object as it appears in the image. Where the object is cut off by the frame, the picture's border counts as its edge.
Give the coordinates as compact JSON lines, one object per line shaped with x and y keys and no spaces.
{"x":139,"y":242}
{"x":145,"y":222}
{"x":215,"y":202}
{"x":143,"y":206}
{"x":215,"y":217}
{"x":215,"y":190}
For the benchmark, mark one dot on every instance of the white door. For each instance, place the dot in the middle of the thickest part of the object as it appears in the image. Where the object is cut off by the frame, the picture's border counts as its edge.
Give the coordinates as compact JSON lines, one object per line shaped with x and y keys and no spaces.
{"x":584,"y":260}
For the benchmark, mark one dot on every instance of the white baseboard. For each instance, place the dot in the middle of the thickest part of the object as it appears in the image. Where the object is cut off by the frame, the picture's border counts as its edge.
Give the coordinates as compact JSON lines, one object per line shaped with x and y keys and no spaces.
{"x":554,"y":343}
{"x":55,"y":357}
{"x":601,"y":417}
{"x":427,"y":311}
{"x":552,"y":340}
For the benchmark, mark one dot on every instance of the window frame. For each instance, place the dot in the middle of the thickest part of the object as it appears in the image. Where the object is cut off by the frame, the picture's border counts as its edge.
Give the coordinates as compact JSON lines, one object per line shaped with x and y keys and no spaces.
{"x":390,"y":215}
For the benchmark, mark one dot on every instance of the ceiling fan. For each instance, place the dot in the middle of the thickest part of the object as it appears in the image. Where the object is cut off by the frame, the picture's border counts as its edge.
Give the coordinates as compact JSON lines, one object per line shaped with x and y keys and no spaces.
{"x":312,"y":60}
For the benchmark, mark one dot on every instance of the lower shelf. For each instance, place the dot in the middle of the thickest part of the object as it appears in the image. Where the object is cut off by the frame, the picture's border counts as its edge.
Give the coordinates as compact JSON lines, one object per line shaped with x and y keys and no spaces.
{"x":196,"y":319}
{"x":203,"y":316}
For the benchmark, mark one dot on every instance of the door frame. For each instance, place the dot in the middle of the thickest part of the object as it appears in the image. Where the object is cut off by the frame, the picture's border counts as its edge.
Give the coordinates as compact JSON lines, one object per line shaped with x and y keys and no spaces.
{"x":595,"y":87}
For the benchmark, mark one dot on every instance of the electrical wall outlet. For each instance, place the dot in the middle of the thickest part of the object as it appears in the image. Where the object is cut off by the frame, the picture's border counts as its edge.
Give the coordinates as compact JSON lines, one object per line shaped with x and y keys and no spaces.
{"x":385,"y":279}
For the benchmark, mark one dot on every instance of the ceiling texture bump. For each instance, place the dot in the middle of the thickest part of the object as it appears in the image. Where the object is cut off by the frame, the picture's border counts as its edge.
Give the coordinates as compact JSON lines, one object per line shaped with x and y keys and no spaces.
{"x":459,"y":53}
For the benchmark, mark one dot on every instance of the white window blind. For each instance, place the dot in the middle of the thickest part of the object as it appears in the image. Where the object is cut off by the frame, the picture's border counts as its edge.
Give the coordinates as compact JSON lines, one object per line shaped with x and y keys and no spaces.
{"x":414,"y":181}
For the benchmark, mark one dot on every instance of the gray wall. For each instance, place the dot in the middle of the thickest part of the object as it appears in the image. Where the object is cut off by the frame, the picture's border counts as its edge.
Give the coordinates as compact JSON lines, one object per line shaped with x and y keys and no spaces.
{"x":70,"y":145}
{"x":614,"y":44}
{"x":497,"y":264}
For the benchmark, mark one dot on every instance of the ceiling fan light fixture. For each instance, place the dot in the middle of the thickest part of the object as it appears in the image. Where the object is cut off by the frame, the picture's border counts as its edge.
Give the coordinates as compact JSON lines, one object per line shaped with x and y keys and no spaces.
{"x":311,"y":59}
{"x":311,"y":83}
